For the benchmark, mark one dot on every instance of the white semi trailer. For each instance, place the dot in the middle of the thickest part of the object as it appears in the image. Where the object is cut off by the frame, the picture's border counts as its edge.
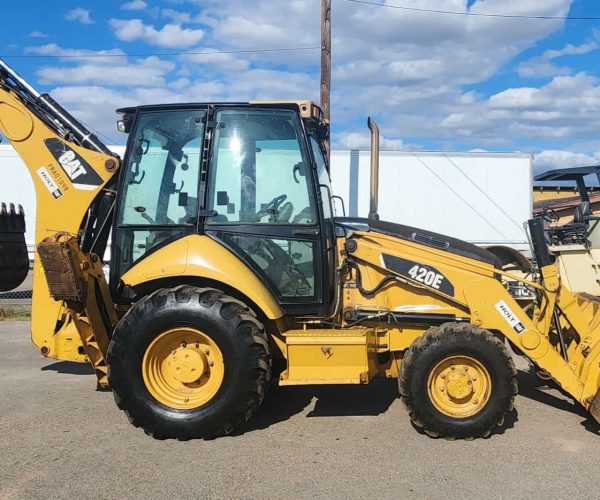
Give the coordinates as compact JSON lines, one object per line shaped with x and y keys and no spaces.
{"x":483,"y":198}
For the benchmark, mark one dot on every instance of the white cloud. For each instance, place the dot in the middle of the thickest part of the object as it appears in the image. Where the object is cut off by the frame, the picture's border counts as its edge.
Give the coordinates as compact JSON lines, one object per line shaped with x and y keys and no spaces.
{"x":540,"y":67}
{"x":362,"y":140}
{"x":552,"y":158}
{"x":79,"y":15}
{"x":170,"y":35}
{"x":38,"y":34}
{"x":176,"y":16}
{"x":134,"y":5}
{"x":224,"y":63}
{"x":571,"y":50}
{"x":148,"y":72}
{"x":52,"y":49}
{"x":95,"y":105}
{"x":565,"y":109}
{"x":407,"y":69}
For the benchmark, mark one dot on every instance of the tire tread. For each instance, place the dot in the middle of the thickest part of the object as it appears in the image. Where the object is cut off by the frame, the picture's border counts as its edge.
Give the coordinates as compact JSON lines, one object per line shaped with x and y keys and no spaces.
{"x":250,"y":331}
{"x":439,"y":335}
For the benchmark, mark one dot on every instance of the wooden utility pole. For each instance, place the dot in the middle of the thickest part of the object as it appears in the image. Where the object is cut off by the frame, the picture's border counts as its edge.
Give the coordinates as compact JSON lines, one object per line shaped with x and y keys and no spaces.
{"x":326,"y":61}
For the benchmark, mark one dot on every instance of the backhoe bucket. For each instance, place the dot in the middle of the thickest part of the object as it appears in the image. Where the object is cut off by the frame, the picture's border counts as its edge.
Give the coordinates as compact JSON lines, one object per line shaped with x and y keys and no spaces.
{"x":14,"y":260}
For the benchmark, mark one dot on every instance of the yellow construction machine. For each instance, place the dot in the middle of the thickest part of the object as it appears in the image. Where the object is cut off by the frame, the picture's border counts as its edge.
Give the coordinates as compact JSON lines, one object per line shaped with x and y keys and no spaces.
{"x":229,"y":267}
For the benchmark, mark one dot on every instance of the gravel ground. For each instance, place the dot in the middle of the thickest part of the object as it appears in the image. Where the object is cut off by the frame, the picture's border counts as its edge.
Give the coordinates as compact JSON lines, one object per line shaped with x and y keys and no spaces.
{"x":61,"y":438}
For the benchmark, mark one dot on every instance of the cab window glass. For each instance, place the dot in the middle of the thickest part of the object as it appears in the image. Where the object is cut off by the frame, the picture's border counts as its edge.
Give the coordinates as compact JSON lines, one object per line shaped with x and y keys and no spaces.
{"x":161,"y":178}
{"x":259,"y":174}
{"x":324,"y":179}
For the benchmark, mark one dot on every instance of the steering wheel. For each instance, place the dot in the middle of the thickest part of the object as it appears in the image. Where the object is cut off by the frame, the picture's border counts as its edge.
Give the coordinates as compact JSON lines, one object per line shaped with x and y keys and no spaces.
{"x":271,"y":207}
{"x":550,"y":215}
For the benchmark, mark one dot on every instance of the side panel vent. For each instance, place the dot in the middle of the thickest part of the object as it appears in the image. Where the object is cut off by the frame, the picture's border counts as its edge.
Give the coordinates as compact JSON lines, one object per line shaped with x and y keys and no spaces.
{"x":430,"y":240}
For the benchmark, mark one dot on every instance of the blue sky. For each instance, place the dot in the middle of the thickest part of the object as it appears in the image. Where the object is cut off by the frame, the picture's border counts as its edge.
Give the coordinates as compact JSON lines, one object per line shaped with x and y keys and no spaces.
{"x":432,"y":81}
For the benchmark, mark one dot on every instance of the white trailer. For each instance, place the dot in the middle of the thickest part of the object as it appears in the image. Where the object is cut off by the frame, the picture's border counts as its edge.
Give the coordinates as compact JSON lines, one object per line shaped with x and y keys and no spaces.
{"x":483,"y":198}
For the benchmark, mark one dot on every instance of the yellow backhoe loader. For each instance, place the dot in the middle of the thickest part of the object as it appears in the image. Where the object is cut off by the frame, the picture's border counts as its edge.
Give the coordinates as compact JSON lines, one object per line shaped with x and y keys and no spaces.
{"x":228,"y":267}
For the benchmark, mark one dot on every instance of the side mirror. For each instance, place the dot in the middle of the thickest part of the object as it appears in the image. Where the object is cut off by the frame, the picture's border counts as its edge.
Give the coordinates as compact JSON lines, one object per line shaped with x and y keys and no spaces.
{"x":323,"y":131}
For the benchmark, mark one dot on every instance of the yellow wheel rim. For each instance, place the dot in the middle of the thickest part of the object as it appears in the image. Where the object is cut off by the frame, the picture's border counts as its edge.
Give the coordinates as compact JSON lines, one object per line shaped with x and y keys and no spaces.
{"x":183,"y":368}
{"x":459,"y":386}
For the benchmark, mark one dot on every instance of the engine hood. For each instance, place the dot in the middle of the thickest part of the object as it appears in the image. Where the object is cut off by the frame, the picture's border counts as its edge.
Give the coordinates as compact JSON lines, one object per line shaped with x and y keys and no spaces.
{"x":422,"y":237}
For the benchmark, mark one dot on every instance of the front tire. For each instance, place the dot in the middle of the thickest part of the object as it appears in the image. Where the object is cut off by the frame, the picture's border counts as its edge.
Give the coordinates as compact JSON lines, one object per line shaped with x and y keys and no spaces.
{"x":458,"y":381}
{"x":189,"y":363}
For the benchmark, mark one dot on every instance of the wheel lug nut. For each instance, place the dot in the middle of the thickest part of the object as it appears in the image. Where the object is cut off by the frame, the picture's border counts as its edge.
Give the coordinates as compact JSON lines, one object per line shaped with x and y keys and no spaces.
{"x":184,"y":344}
{"x":197,"y":345}
{"x":453,"y":367}
{"x":211,"y":363}
{"x":206,"y":351}
{"x":442,"y":388}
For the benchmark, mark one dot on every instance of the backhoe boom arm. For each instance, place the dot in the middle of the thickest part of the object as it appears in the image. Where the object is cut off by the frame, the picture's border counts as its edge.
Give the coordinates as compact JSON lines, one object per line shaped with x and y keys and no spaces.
{"x":73,"y":174}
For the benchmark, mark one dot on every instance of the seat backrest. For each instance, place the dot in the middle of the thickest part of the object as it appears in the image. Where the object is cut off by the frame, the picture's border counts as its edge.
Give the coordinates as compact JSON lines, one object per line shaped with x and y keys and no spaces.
{"x":581,"y":211}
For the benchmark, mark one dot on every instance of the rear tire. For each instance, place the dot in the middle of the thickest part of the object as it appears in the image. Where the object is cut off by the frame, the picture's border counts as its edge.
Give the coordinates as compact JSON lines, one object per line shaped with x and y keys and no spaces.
{"x":458,"y":381}
{"x":160,"y":394}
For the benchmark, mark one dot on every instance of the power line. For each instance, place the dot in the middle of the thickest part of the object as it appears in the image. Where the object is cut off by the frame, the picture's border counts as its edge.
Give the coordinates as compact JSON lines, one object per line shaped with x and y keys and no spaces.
{"x":473,"y":14}
{"x":159,"y":54}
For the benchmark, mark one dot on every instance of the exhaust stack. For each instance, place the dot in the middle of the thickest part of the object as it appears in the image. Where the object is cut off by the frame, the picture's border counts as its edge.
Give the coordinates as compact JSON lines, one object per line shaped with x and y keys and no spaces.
{"x":374,"y":170}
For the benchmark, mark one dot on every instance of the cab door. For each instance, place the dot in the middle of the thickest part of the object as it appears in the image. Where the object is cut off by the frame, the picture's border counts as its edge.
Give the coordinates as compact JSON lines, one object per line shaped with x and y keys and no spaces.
{"x":159,"y":185}
{"x":264,"y":203}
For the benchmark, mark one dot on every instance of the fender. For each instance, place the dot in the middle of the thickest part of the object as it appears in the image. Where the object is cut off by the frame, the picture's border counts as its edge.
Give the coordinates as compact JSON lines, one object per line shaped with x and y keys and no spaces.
{"x":509,"y":255}
{"x":201,"y":257}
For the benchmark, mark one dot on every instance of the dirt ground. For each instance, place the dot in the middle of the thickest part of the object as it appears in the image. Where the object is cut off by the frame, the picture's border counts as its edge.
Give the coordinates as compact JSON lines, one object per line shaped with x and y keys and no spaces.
{"x":61,"y":438}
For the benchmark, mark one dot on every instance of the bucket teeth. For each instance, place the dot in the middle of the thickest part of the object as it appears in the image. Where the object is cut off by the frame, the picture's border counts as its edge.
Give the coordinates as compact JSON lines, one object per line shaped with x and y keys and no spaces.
{"x":12,"y":219}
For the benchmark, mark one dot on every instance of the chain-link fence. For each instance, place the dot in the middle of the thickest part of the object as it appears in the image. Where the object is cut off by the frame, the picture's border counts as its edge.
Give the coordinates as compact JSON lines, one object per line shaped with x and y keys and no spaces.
{"x":21,"y":296}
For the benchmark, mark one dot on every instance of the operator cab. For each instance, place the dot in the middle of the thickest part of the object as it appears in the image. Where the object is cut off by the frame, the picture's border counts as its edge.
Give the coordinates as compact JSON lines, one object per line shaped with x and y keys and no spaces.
{"x":252,"y":176}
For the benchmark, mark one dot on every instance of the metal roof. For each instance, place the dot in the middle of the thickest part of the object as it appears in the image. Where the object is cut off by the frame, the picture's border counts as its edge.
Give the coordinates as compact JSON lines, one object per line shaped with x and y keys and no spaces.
{"x":568,"y":174}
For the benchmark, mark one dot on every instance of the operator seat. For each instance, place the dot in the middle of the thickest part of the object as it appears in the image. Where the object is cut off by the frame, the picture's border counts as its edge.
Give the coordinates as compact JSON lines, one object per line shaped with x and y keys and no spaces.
{"x":306,"y":216}
{"x":582,"y":211}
